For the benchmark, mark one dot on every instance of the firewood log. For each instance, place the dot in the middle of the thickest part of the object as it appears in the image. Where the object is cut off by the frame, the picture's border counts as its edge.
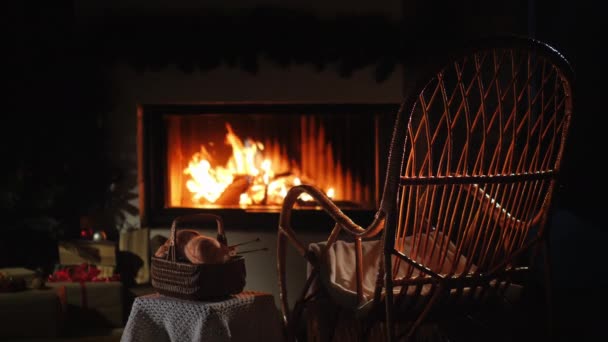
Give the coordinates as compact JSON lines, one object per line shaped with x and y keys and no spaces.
{"x":232,"y":194}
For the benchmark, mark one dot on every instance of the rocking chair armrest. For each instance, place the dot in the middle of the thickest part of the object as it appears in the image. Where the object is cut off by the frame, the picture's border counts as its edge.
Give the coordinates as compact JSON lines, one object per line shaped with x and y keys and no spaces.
{"x":286,"y":234}
{"x":342,"y":220}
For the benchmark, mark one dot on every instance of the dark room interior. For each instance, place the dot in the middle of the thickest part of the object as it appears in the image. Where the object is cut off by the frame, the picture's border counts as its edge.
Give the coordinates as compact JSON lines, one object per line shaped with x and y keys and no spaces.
{"x":82,"y":76}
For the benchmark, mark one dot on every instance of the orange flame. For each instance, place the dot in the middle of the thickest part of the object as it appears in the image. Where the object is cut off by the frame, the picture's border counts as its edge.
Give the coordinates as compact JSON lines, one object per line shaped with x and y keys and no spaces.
{"x":208,"y":183}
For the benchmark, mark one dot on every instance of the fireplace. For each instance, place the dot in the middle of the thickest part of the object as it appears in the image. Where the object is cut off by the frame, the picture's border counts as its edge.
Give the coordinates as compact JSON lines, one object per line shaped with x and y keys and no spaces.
{"x":238,"y":160}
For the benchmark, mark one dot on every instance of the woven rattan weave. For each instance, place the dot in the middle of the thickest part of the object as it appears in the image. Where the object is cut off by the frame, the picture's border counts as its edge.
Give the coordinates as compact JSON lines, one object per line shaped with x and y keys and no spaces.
{"x":182,"y":279}
{"x":472,"y":171}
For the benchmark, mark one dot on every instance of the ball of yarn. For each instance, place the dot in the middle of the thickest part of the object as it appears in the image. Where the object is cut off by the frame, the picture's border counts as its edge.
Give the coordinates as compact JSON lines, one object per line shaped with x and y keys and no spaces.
{"x":205,"y":250}
{"x":99,"y":235}
{"x":182,"y":237}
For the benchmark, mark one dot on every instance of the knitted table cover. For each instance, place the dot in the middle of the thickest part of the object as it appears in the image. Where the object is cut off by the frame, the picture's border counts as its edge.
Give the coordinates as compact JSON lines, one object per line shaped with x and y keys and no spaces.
{"x":248,"y":316}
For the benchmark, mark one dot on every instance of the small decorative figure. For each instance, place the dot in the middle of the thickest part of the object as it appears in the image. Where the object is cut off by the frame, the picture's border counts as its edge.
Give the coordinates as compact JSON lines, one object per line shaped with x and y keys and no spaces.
{"x":100,"y":235}
{"x":86,"y":233}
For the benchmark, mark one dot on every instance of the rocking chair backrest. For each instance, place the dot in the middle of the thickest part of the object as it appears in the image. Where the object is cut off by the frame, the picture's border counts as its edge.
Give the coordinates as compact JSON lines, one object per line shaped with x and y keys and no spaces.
{"x":473,"y":165}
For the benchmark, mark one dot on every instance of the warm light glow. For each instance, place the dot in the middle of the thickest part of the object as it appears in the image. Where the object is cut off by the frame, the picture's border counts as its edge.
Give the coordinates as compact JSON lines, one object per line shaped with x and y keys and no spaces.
{"x":331,"y":193}
{"x":244,"y":199}
{"x":206,"y":182}
{"x":267,"y":171}
{"x":248,"y":177}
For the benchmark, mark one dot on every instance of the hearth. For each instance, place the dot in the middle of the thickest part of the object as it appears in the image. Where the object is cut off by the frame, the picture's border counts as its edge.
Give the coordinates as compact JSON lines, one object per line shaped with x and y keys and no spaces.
{"x":238,"y":160}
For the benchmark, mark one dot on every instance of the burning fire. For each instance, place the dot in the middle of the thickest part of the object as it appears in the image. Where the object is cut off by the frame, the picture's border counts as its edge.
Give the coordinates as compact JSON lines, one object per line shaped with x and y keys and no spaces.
{"x":248,"y":177}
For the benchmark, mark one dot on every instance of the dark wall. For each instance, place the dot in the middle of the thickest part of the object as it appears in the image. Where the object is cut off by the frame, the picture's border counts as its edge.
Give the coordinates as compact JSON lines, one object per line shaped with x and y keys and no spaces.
{"x":574,"y":28}
{"x":55,"y":168}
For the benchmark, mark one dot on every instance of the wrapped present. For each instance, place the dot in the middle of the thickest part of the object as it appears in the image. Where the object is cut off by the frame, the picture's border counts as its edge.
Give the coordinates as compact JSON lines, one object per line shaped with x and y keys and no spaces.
{"x":31,"y":314}
{"x":19,"y":278}
{"x":75,"y":252}
{"x":15,"y":279}
{"x":84,"y":272}
{"x":18,"y":273}
{"x":92,"y":300}
{"x":134,"y":253}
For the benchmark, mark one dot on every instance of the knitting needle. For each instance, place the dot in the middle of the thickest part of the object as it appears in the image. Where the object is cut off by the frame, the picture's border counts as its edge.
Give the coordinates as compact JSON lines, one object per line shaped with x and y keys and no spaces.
{"x":244,"y":243}
{"x":253,"y":250}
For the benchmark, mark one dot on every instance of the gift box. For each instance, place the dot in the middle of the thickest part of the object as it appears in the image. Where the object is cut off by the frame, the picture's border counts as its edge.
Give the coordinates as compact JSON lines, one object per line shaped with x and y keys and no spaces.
{"x":75,"y":252}
{"x":31,"y":314}
{"x":103,"y":273}
{"x":18,"y":273}
{"x":92,"y":299}
{"x":93,"y":304}
{"x":15,"y":279}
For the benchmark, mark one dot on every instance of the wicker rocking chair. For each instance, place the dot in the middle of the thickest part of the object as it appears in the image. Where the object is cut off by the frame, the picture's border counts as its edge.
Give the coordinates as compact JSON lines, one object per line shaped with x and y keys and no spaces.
{"x":470,"y":185}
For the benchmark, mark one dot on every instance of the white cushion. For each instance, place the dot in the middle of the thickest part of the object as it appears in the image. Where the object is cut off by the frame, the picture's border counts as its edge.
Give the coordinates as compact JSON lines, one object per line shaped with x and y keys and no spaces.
{"x":338,"y":272}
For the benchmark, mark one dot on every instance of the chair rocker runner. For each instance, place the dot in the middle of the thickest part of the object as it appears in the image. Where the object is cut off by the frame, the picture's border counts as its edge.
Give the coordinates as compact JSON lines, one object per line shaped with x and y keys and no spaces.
{"x":473,"y":165}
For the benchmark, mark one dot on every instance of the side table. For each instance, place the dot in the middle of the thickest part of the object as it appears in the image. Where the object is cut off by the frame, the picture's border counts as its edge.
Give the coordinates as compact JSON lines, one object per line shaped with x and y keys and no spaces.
{"x":248,"y":316}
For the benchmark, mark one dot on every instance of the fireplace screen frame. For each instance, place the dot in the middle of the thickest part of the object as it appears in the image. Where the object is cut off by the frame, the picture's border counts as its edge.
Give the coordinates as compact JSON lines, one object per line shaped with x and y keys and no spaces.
{"x":153,"y":173}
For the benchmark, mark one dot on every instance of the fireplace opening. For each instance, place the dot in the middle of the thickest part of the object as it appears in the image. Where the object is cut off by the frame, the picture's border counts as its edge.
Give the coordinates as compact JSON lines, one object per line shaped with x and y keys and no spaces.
{"x":238,"y":160}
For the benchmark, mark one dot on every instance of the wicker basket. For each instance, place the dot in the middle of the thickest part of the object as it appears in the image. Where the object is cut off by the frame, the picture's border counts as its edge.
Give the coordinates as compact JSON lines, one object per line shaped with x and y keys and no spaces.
{"x":185,"y":280}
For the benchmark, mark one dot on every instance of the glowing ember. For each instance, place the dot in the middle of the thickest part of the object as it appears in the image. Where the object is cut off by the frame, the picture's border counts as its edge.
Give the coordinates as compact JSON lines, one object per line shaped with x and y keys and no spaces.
{"x":247,"y":178}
